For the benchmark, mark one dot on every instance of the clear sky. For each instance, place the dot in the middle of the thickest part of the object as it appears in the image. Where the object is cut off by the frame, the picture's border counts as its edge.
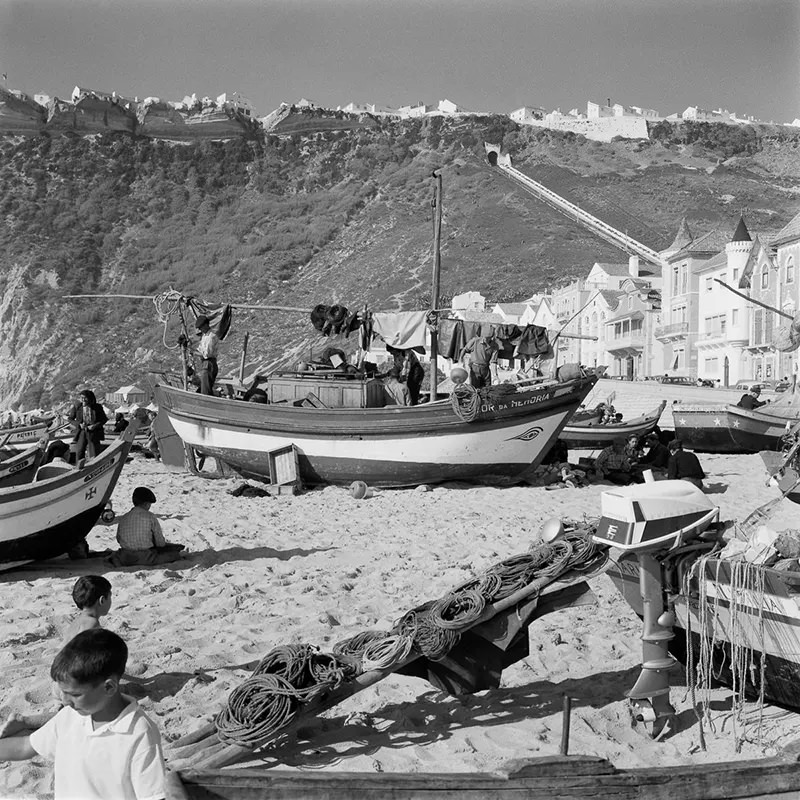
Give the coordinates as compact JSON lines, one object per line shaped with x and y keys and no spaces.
{"x":485,"y":55}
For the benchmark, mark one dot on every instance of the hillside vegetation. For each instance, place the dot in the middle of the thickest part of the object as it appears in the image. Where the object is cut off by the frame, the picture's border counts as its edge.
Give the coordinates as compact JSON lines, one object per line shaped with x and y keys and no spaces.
{"x":328,"y":216}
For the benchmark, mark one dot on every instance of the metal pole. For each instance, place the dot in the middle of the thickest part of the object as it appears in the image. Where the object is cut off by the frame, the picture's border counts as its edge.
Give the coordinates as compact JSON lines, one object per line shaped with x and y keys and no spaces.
{"x":244,"y":356}
{"x":566,"y":710}
{"x":437,"y":265}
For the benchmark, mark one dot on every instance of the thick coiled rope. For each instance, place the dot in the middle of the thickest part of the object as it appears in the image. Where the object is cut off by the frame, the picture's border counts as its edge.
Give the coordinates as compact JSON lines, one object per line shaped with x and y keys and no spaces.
{"x":289,"y":662}
{"x":354,"y":646}
{"x":256,"y":709}
{"x":386,"y":653}
{"x":458,"y":609}
{"x":466,"y":402}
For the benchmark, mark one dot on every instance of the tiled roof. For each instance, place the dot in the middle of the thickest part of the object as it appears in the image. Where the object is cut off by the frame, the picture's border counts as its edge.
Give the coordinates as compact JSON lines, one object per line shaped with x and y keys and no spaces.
{"x":512,"y":308}
{"x":790,"y":232}
{"x":711,"y":242}
{"x":469,"y":315}
{"x":611,"y":296}
{"x":620,"y":270}
{"x":715,"y":262}
{"x":741,"y":234}
{"x":683,"y":237}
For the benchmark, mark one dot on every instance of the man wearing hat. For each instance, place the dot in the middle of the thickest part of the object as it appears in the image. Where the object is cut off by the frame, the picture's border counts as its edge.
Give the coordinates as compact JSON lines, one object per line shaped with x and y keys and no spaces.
{"x":749,"y":400}
{"x":207,"y":350}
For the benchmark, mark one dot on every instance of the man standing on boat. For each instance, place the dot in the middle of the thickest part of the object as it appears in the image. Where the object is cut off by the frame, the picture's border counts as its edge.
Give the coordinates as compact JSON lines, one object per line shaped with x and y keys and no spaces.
{"x":207,"y":350}
{"x":482,"y":352}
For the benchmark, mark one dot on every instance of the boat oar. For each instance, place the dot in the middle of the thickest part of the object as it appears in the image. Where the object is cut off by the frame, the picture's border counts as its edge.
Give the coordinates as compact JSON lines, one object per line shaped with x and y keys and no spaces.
{"x":204,"y":750}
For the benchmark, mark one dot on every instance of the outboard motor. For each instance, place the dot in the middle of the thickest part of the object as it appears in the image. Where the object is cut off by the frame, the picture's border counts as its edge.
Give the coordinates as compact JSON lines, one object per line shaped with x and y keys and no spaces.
{"x":649,"y":520}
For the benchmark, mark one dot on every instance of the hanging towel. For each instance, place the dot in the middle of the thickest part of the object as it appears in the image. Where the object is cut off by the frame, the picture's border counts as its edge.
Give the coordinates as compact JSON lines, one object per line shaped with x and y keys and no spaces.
{"x":219,"y":315}
{"x":533,"y":342}
{"x":403,"y":330}
{"x":451,"y":338}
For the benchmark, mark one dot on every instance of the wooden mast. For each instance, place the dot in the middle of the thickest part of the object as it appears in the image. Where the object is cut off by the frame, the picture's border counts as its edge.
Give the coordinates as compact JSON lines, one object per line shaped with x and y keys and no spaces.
{"x":437,"y":265}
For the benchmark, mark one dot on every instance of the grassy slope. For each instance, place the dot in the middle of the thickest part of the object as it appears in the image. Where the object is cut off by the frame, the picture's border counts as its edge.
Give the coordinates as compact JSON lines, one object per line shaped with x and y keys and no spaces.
{"x":340,"y":216}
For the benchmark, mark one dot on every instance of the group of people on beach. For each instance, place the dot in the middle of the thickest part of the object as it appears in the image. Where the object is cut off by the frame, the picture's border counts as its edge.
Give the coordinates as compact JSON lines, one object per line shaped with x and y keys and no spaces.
{"x":625,"y":461}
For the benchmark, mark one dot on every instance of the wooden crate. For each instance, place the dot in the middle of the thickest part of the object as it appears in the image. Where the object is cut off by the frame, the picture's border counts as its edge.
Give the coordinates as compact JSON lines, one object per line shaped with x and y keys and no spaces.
{"x":283,"y":466}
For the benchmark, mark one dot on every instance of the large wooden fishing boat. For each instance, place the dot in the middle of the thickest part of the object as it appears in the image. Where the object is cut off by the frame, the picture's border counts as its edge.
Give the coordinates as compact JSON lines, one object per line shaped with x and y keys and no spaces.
{"x":510,"y":428}
{"x":46,"y":517}
{"x":589,"y":433}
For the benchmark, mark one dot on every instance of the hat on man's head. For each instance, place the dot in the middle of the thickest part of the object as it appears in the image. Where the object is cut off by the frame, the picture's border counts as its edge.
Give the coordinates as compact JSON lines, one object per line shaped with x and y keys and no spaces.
{"x":755,"y":390}
{"x":200,"y":321}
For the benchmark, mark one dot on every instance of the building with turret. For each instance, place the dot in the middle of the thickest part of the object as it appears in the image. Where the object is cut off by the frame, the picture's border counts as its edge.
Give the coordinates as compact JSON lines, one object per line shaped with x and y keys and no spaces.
{"x":680,"y":320}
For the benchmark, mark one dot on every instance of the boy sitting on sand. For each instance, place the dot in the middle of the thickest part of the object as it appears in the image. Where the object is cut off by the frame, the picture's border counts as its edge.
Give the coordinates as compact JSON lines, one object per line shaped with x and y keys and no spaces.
{"x":104,"y":746}
{"x":92,"y":595}
{"x":139,"y":535}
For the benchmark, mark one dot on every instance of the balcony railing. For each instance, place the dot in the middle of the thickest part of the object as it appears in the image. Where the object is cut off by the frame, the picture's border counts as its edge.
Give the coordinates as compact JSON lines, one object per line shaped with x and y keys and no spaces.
{"x":626,"y":341}
{"x":675,"y":329}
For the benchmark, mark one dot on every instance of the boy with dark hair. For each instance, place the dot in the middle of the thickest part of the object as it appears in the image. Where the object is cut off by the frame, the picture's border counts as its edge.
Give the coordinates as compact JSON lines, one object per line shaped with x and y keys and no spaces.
{"x":139,"y":535}
{"x":104,"y":746}
{"x":92,"y":595}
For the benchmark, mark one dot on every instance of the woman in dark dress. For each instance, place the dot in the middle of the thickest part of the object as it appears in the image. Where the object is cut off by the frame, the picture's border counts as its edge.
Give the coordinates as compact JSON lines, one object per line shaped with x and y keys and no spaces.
{"x":90,"y":419}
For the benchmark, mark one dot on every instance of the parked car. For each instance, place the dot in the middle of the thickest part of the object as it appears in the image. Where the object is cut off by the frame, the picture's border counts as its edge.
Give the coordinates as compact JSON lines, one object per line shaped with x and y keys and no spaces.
{"x":681,"y":380}
{"x":767,"y":385}
{"x":782,"y":386}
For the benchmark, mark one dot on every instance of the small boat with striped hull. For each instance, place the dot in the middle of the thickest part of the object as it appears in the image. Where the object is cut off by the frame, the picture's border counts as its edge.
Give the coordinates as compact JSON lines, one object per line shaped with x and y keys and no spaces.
{"x":510,"y":428}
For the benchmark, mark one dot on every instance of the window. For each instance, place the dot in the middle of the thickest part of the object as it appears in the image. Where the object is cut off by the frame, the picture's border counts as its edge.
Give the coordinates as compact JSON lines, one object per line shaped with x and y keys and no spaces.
{"x":736,"y":274}
{"x":684,"y":278}
{"x":735,"y":316}
{"x":709,"y":284}
{"x":712,"y":366}
{"x":789,"y":270}
{"x":765,"y":277}
{"x":674,"y":280}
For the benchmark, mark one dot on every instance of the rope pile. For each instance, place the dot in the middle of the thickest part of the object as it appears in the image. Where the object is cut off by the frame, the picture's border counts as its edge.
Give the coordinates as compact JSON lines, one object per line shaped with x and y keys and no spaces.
{"x":466,"y":402}
{"x":292,"y":676}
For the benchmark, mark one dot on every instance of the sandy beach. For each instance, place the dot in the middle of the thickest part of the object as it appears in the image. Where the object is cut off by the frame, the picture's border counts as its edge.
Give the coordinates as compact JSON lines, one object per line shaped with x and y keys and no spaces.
{"x":321,"y":566}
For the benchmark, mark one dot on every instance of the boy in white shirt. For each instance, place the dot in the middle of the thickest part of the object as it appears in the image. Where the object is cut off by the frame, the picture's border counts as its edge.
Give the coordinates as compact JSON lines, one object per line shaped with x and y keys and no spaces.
{"x":104,"y":746}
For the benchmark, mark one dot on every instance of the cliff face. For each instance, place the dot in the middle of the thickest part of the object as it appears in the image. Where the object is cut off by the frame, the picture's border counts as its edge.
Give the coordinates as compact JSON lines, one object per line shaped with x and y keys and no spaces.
{"x":20,"y":116}
{"x":331,"y":216}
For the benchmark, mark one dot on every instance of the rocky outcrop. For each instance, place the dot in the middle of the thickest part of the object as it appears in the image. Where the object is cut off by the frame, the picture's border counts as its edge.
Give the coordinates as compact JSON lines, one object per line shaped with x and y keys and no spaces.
{"x":91,"y":114}
{"x":20,"y":114}
{"x":161,"y":120}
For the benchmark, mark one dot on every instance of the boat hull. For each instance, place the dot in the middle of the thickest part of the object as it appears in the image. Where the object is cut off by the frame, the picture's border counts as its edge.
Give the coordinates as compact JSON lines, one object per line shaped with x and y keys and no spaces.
{"x":704,"y":428}
{"x":757,"y":430}
{"x":20,"y":468}
{"x":44,"y":519}
{"x":768,"y":622}
{"x":381,"y":446}
{"x":591,"y":435}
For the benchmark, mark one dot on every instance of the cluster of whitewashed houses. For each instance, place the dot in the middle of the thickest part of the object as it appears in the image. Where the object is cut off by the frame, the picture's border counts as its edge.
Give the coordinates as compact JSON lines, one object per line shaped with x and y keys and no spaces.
{"x":642,"y":321}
